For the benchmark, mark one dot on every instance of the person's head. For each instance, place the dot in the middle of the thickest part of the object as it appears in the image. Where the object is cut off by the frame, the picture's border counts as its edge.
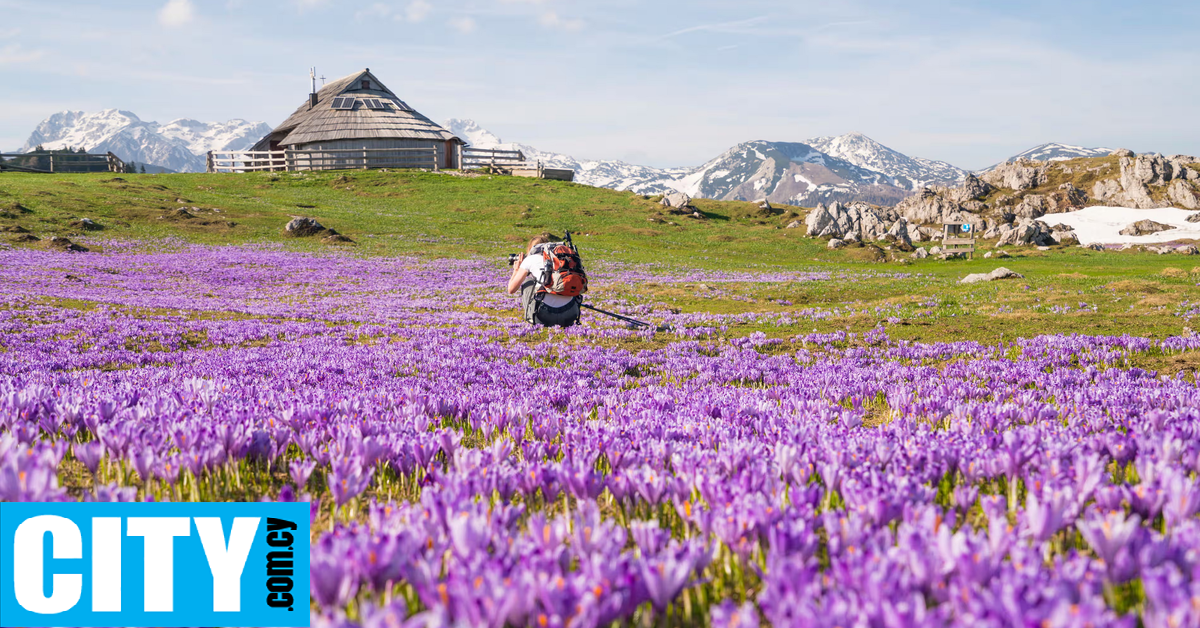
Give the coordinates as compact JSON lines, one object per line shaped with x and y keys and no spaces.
{"x":538,"y":239}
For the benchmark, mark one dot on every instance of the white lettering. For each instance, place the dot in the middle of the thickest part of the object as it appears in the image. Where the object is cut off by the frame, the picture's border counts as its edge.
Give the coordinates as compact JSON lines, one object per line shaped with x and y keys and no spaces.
{"x":106,"y":564}
{"x":159,"y":569}
{"x":28,"y":570}
{"x":227,"y":563}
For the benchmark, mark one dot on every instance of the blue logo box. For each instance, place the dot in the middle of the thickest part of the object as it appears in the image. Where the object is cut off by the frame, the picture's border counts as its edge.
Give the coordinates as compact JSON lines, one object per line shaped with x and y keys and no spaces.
{"x":154,"y":564}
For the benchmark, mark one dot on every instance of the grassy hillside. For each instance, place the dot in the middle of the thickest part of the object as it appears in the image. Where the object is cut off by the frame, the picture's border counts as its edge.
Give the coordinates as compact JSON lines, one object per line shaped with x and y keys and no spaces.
{"x":1065,"y":289}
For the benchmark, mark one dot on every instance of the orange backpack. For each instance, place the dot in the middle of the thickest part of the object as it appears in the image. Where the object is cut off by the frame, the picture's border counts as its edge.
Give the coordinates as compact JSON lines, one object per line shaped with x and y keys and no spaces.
{"x":564,"y":274}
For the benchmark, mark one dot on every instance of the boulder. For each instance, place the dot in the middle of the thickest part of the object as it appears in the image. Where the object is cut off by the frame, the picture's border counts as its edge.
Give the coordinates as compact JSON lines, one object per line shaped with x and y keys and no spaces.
{"x":764,"y":204}
{"x":1032,"y":206}
{"x":835,"y":244}
{"x":87,"y":224}
{"x":972,"y":189}
{"x":999,"y":273}
{"x":676,"y":199}
{"x":1181,"y":193}
{"x":929,"y":206}
{"x":1025,"y":232}
{"x":336,"y":238}
{"x":1187,"y":249}
{"x":66,"y":245}
{"x":1122,"y":152}
{"x":1106,"y":190}
{"x":303,"y":227}
{"x":1194,"y":217}
{"x":920,"y":253}
{"x":1017,"y":175}
{"x":935,"y":250}
{"x":1145,"y":227}
{"x":987,"y":255}
{"x":1065,"y":237}
{"x":793,"y":224}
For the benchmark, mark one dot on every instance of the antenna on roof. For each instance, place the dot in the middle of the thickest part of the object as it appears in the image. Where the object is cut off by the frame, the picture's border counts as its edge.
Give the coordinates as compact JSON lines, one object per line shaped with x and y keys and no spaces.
{"x":312,"y":96}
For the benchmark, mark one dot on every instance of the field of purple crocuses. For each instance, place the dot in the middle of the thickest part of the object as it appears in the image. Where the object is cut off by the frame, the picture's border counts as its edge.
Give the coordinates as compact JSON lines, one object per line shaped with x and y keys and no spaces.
{"x":465,"y":469}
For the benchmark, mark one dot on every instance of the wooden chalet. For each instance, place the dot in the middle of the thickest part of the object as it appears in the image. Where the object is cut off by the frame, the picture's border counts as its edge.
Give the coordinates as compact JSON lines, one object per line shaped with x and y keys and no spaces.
{"x":357,"y":118}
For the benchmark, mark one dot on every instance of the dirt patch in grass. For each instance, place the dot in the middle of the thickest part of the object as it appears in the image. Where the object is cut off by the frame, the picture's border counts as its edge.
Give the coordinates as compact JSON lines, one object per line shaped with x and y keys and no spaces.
{"x":868,"y":253}
{"x":1135,"y":285}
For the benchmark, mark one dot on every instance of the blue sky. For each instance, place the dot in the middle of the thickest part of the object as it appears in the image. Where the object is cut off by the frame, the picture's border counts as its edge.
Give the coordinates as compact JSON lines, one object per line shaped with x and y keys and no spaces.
{"x":659,"y":82}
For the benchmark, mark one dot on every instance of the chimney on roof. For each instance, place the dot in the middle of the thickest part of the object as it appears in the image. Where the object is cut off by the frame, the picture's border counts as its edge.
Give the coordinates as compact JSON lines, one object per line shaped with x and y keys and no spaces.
{"x":312,"y":96}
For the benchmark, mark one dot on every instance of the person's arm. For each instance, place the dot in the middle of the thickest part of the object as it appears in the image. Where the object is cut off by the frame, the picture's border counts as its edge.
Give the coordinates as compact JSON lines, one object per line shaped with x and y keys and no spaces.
{"x":518,"y":276}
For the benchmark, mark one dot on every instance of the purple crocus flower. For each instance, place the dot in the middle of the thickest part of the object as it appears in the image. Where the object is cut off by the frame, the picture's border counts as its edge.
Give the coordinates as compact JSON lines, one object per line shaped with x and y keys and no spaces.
{"x":90,"y":454}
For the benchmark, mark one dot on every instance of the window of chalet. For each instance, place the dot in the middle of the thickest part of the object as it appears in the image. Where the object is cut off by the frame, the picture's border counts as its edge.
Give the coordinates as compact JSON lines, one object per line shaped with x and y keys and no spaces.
{"x":366,"y":84}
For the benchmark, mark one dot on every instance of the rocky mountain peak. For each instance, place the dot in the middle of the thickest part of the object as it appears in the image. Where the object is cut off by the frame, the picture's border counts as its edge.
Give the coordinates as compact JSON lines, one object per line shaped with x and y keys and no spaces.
{"x":178,"y":145}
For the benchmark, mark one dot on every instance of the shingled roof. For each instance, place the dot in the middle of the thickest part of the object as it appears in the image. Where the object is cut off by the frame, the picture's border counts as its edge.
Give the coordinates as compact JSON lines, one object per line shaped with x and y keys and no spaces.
{"x":321,"y":122}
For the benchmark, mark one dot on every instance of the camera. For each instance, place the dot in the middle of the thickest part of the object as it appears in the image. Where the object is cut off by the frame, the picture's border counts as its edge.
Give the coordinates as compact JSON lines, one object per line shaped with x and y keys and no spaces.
{"x":512,"y":258}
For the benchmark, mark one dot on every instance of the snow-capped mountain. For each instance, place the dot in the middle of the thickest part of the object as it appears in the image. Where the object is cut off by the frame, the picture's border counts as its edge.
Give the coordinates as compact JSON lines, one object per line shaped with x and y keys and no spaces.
{"x":1057,"y":152}
{"x":783,"y":172}
{"x":910,"y":173}
{"x":614,"y":174}
{"x":788,"y":172}
{"x":178,"y":145}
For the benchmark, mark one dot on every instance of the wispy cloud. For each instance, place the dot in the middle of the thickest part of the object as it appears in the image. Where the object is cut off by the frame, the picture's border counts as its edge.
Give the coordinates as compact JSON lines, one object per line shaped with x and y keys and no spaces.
{"x":15,"y":54}
{"x":736,"y":26}
{"x":552,"y":20}
{"x":464,"y":24}
{"x":176,"y":13}
{"x":417,"y":10}
{"x":9,"y":33}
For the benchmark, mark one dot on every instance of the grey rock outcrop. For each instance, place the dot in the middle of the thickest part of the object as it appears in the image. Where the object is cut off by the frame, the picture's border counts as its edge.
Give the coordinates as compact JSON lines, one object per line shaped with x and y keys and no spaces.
{"x":1065,"y":237}
{"x":929,"y":206}
{"x":87,"y":224}
{"x":1187,"y":249}
{"x":793,"y":224}
{"x":1017,"y":175}
{"x":999,"y":273}
{"x":677,"y":200}
{"x":1194,"y":217}
{"x":303,"y":227}
{"x":835,"y":244}
{"x":1183,"y":194}
{"x":920,"y":253}
{"x":1145,"y":227}
{"x":855,"y":222}
{"x":1123,"y":152}
{"x":1026,"y":232}
{"x":972,"y":189}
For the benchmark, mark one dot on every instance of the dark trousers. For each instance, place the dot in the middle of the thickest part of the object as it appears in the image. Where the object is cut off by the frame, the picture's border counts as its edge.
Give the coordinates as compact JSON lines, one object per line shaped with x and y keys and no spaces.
{"x":540,"y":313}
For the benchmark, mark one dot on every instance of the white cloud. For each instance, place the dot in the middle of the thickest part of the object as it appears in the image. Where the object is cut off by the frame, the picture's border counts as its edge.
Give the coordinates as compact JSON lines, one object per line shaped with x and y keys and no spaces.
{"x":464,"y":24}
{"x":378,"y":9}
{"x":550,"y":19}
{"x":176,"y":13}
{"x":417,"y":10}
{"x":14,"y":54}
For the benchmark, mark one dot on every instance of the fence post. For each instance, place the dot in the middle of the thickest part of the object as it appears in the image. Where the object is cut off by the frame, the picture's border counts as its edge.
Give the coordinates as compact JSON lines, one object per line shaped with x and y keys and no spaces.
{"x":435,"y":159}
{"x":208,"y":161}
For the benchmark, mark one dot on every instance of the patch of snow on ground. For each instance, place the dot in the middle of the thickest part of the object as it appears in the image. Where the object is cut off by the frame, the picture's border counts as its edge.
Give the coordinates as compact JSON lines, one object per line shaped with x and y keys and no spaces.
{"x":1103,"y":225}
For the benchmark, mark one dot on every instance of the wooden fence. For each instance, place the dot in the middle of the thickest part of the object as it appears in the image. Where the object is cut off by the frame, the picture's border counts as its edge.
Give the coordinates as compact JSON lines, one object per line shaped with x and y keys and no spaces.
{"x":61,"y":162}
{"x":321,"y":159}
{"x":511,"y":162}
{"x":491,"y":158}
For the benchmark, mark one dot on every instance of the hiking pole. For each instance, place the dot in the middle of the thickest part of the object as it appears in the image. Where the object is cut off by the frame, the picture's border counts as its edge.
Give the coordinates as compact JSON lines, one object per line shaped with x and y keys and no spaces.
{"x":626,"y":318}
{"x":631,"y":321}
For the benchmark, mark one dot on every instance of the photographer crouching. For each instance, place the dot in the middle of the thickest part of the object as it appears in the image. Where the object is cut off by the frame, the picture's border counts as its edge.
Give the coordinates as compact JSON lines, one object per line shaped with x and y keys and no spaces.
{"x":550,"y":277}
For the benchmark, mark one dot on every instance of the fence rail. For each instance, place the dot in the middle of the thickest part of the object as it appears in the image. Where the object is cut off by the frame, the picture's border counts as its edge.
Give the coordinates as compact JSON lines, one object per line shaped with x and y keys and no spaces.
{"x":321,"y":159}
{"x":49,"y":163}
{"x":492,"y":158}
